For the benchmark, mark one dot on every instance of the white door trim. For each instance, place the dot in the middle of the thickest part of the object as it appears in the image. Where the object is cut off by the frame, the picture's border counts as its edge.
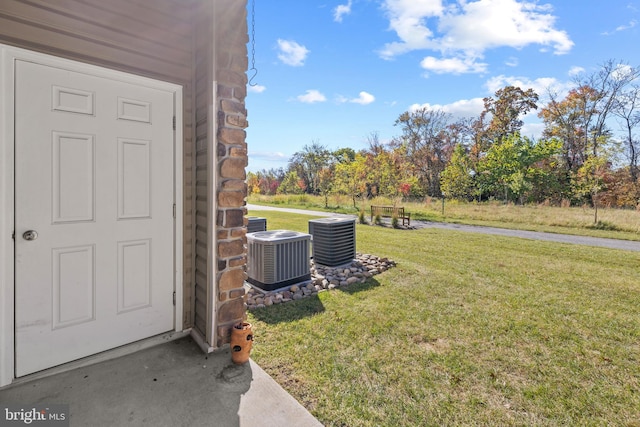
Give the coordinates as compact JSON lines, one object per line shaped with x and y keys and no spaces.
{"x":8,"y":56}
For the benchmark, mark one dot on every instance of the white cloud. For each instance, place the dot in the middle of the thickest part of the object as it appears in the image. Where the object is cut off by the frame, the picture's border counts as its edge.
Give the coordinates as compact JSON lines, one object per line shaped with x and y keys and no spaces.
{"x":541,"y":85}
{"x":311,"y":96}
{"x":259,"y":160}
{"x":575,"y":70}
{"x":341,"y":10}
{"x":268,"y":155}
{"x":292,"y":53}
{"x":512,"y":62}
{"x":474,"y":106}
{"x":256,"y":88}
{"x":462,"y":32}
{"x":364,"y":98}
{"x":458,"y":109}
{"x":533,"y":130}
{"x":620,"y":28}
{"x":622,"y":71}
{"x":407,"y":19}
{"x":452,"y":65}
{"x":485,"y":24}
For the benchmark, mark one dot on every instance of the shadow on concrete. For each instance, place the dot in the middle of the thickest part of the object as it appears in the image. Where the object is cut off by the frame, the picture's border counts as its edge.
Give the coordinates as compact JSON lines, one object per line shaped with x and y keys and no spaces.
{"x":289,"y":311}
{"x":172,"y":384}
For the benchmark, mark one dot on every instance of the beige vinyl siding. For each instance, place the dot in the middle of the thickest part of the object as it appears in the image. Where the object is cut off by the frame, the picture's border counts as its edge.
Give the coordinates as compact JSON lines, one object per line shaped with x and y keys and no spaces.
{"x":203,"y":151}
{"x":152,"y":38}
{"x":188,"y":215}
{"x":128,"y":39}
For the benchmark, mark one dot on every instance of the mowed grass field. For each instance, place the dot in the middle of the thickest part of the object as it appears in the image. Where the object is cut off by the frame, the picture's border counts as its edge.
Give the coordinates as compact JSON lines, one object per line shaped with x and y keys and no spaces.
{"x":468,"y":329}
{"x":612,"y":223}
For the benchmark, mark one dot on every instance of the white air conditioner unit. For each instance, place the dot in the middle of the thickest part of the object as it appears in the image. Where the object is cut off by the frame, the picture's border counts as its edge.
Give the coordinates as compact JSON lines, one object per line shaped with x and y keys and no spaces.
{"x":278,"y":258}
{"x":256,"y":224}
{"x":334,"y":240}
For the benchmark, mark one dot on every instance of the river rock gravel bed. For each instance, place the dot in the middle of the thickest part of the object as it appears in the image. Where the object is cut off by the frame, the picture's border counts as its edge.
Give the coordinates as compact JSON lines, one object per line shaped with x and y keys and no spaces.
{"x":323,"y":278}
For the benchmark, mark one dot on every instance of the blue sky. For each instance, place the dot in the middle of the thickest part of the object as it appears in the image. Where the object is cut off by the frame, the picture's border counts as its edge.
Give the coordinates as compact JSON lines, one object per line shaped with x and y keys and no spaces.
{"x":334,"y":72}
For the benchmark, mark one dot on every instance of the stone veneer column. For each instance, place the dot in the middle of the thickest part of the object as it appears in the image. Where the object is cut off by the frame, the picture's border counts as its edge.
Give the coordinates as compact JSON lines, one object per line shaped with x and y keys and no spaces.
{"x":231,"y":66}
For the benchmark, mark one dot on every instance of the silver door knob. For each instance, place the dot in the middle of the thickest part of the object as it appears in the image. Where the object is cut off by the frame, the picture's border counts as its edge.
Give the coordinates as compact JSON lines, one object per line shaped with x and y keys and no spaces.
{"x":30,"y":235}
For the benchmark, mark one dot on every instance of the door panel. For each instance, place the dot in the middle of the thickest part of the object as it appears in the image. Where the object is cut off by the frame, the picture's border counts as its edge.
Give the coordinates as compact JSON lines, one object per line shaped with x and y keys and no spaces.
{"x":73,"y":177}
{"x":94,"y":180}
{"x":73,"y":286}
{"x":134,"y":263}
{"x":134,"y":178}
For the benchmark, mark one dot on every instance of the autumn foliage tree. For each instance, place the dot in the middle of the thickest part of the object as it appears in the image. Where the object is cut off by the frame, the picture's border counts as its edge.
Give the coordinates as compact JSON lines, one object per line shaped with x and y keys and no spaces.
{"x":486,"y":157}
{"x":564,"y":119}
{"x":424,"y":146}
{"x":511,"y":165}
{"x":503,"y":114}
{"x":291,"y":184}
{"x":582,"y":121}
{"x":308,"y":164}
{"x":457,"y":180}
{"x":350,"y":177}
{"x":627,"y":111}
{"x":265,"y":181}
{"x":590,"y":180}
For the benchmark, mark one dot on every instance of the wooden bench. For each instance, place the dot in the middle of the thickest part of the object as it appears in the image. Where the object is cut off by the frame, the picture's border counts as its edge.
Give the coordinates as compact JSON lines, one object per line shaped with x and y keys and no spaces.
{"x":391,"y":212}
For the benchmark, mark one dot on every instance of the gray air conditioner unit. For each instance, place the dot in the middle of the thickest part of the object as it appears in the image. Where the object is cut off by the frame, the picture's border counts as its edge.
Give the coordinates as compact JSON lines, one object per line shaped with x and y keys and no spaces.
{"x":334,"y":240}
{"x":256,"y":224}
{"x":278,"y":258}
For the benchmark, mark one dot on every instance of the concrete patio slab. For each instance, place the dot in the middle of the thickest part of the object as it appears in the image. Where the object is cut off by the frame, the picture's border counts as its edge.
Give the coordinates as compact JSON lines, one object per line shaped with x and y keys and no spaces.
{"x":172,"y":384}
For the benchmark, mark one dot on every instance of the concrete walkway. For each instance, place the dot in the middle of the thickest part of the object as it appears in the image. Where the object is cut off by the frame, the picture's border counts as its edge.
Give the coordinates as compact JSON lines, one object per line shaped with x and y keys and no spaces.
{"x":295,"y":211}
{"x":626,"y":245}
{"x":172,"y":384}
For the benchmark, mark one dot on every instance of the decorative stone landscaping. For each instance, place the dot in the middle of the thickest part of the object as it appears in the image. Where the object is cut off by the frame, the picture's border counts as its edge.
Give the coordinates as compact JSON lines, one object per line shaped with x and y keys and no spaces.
{"x":323,"y":278}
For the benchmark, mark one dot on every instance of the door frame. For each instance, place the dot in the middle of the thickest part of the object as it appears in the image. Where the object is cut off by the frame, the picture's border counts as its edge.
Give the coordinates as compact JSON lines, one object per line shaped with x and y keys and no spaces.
{"x":8,"y":56}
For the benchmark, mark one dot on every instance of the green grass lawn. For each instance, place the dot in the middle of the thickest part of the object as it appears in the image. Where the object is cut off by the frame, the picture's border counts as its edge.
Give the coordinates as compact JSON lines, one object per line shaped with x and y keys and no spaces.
{"x":468,"y":329}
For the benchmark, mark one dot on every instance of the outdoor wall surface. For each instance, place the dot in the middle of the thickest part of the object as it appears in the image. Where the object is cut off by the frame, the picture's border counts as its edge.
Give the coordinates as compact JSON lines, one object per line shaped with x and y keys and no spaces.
{"x":231,"y":159}
{"x":201,"y":45}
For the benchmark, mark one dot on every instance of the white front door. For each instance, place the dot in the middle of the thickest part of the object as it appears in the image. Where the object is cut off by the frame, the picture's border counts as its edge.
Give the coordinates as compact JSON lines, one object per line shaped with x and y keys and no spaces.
{"x":94,"y":214}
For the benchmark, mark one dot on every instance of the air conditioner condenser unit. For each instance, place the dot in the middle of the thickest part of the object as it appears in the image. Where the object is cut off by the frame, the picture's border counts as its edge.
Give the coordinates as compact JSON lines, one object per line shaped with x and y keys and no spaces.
{"x":256,"y":224}
{"x":334,"y":240}
{"x":278,"y":258}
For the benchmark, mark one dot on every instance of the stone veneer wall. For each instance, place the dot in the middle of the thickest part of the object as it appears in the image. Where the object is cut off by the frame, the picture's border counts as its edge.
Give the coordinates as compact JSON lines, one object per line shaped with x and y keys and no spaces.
{"x":231,"y":153}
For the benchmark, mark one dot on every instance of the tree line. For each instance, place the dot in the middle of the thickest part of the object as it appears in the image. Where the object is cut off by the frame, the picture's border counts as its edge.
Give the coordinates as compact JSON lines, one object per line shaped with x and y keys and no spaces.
{"x":588,"y":151}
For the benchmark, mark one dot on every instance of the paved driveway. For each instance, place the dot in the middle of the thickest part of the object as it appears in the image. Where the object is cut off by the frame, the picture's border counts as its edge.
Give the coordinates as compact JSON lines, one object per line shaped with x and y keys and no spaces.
{"x":626,"y":245}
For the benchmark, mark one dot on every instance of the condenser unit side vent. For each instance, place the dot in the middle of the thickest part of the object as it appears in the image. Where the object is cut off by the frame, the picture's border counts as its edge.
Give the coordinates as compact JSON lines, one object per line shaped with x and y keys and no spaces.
{"x":334,"y":240}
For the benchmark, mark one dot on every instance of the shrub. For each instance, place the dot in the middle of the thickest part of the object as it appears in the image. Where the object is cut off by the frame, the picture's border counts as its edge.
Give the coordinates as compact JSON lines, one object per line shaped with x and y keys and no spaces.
{"x":394,"y":222}
{"x":361,"y":217}
{"x":378,"y":219}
